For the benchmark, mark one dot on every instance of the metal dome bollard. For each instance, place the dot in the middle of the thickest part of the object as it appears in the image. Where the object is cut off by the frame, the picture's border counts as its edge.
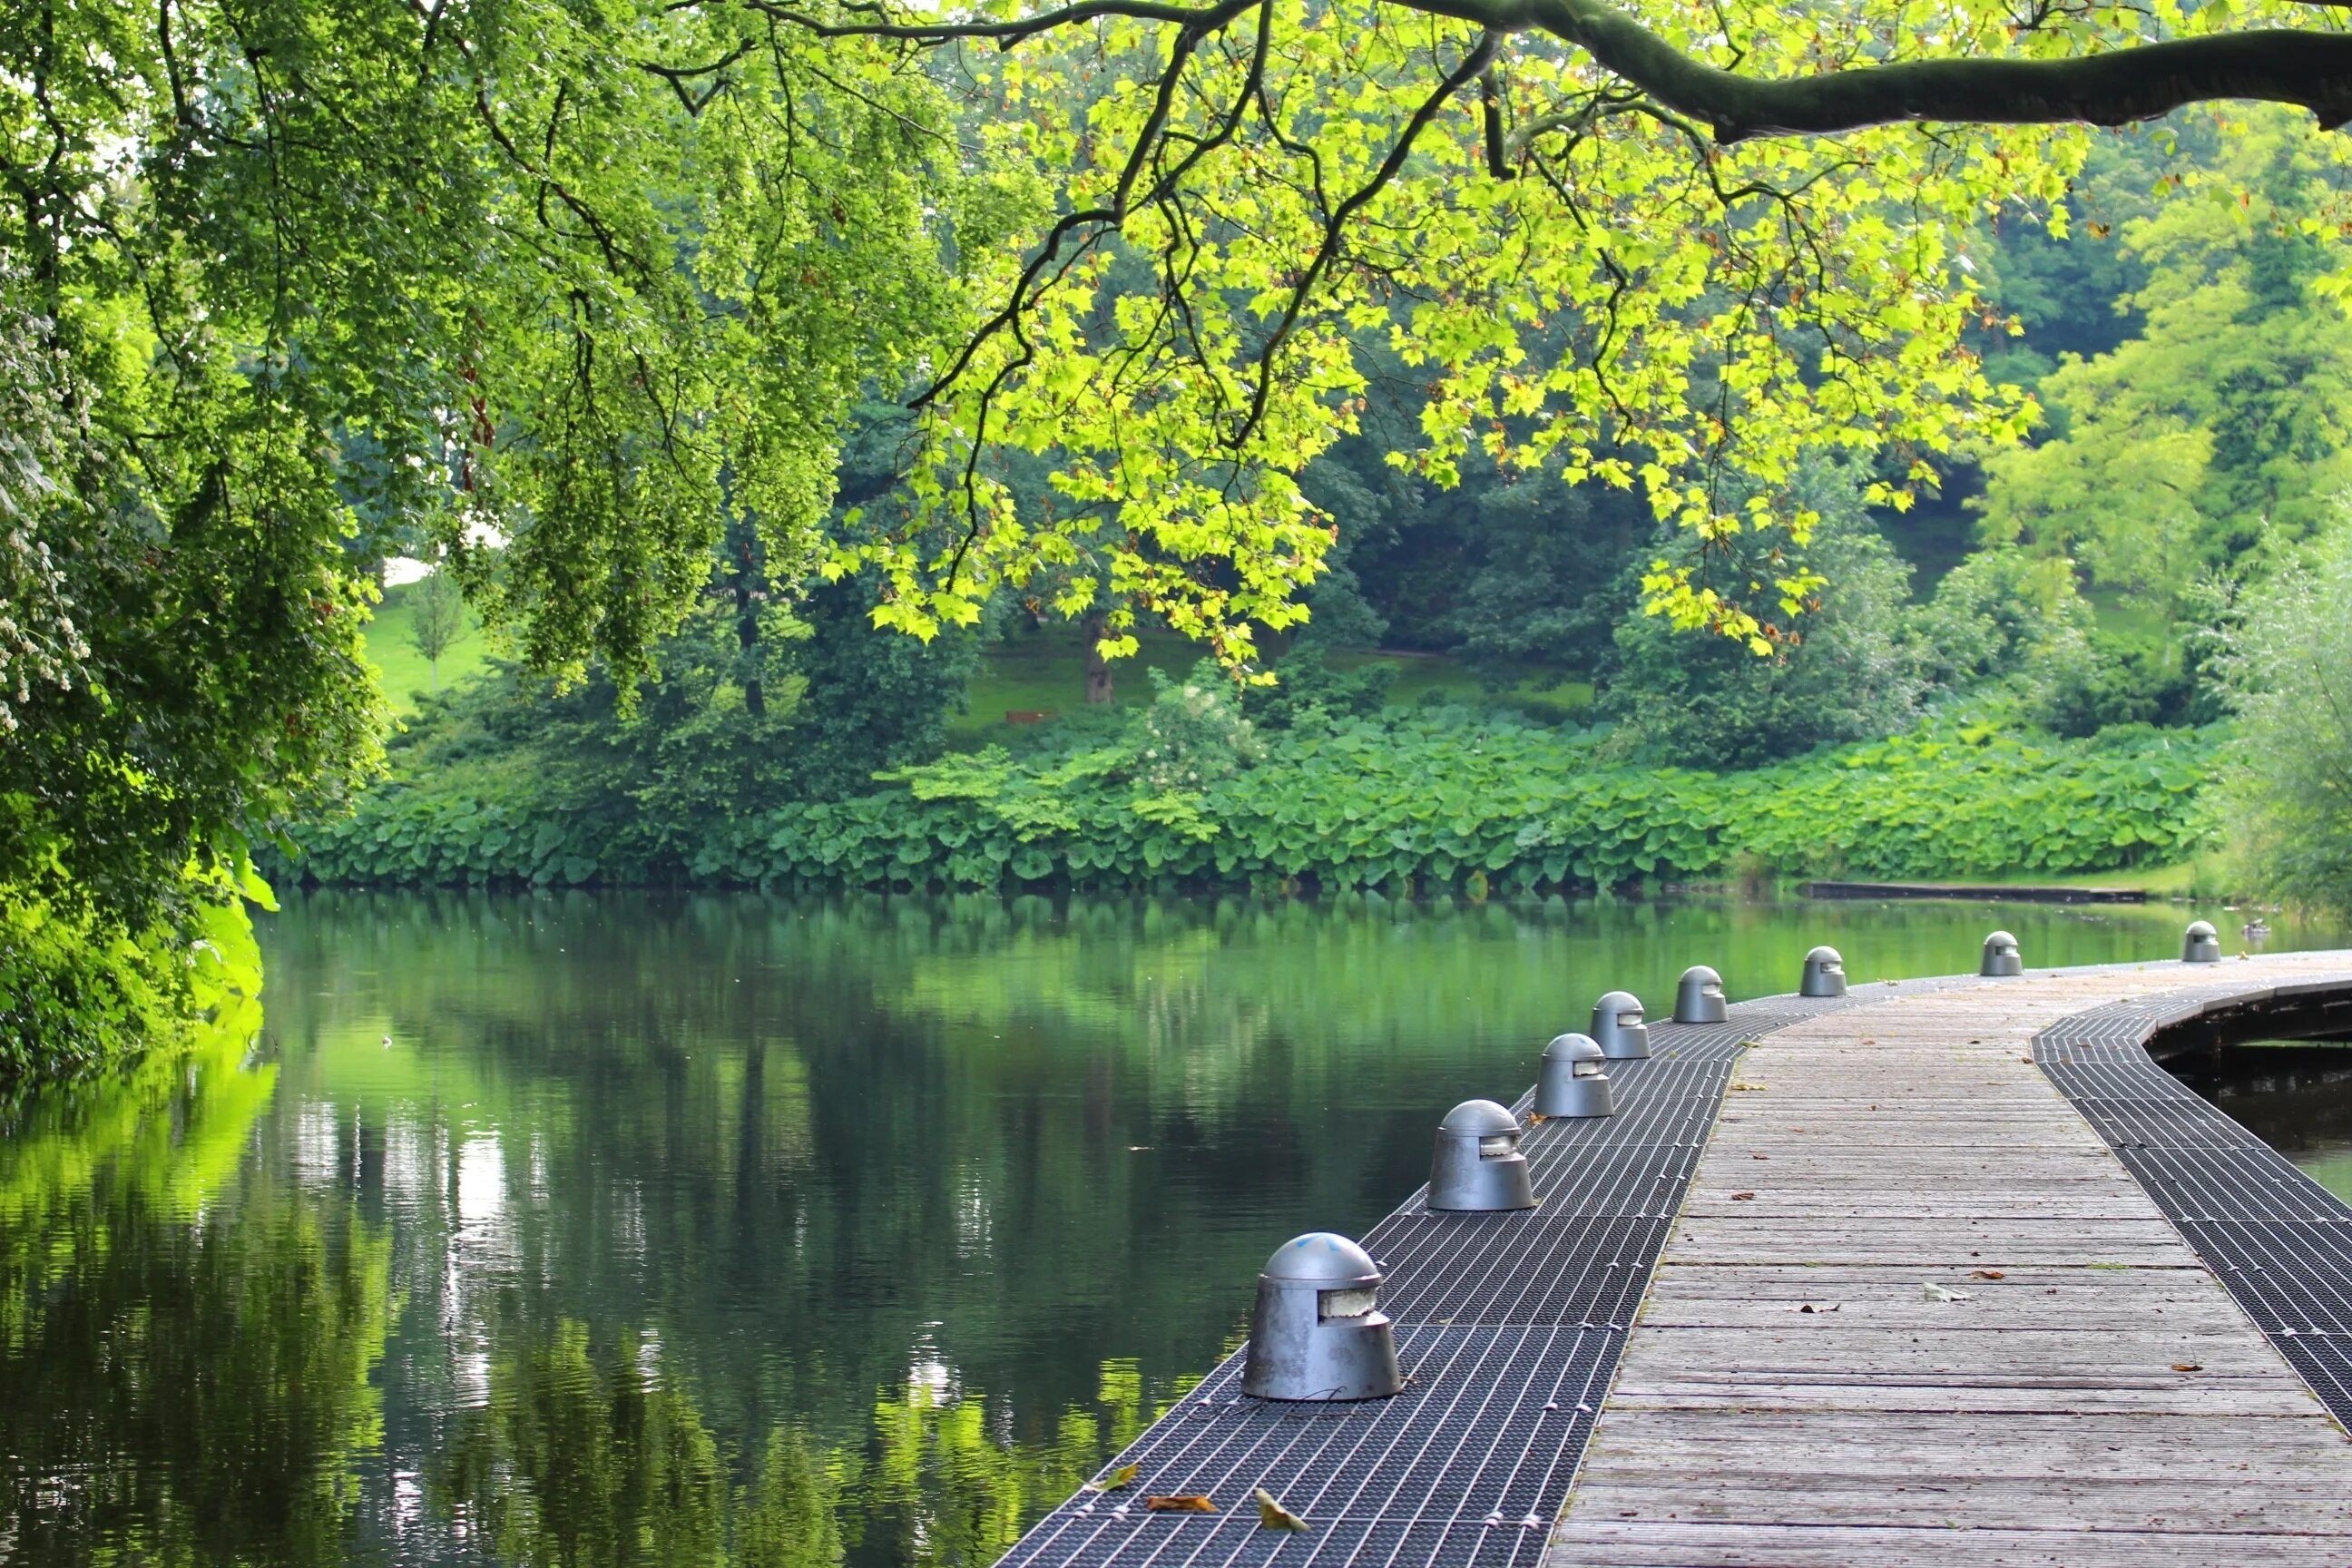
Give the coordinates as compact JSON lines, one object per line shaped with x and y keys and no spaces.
{"x":1698,"y":997}
{"x":2201,"y":944}
{"x":2001,"y":956}
{"x":1317,"y":1332}
{"x":1479,"y":1164}
{"x":1571,"y":1082}
{"x":1617,"y":1025}
{"x":1824,"y":974}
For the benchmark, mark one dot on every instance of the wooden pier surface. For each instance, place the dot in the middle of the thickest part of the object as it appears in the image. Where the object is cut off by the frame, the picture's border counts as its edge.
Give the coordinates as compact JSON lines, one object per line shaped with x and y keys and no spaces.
{"x":1915,"y":1311}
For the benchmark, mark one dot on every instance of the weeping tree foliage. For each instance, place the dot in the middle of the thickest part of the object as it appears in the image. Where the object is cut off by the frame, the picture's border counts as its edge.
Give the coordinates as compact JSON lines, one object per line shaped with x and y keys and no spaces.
{"x":277,"y":276}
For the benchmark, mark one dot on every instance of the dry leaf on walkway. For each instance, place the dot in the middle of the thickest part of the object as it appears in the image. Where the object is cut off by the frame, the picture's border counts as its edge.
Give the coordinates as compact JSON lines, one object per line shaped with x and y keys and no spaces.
{"x":1122,"y":1476}
{"x":1987,"y":1274}
{"x":1180,"y":1503}
{"x":1809,"y":1306}
{"x":1931,"y":1291}
{"x":1741,"y":1197}
{"x":1271,"y":1515}
{"x":2186,"y":1366}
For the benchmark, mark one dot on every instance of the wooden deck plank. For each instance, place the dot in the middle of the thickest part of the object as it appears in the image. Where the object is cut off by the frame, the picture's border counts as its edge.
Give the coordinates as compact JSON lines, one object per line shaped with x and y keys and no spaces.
{"x":2103,"y":1401}
{"x":1651,"y":1544}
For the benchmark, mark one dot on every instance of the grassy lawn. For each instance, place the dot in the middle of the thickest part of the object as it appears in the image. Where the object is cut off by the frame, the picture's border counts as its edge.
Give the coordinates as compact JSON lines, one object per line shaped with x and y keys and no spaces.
{"x":1035,"y":672}
{"x":2201,"y":877}
{"x":401,"y":668}
{"x":2129,"y":615}
{"x":1044,"y":671}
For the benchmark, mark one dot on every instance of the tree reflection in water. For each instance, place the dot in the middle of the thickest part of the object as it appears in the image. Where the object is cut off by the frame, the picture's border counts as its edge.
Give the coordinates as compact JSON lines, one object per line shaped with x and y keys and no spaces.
{"x":184,"y":1366}
{"x":633,"y":1229}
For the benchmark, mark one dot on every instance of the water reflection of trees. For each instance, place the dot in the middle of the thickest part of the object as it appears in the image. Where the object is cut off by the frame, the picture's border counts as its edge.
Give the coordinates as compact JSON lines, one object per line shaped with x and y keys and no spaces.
{"x":185,"y":1364}
{"x":594,"y":1456}
{"x":896,"y":1173}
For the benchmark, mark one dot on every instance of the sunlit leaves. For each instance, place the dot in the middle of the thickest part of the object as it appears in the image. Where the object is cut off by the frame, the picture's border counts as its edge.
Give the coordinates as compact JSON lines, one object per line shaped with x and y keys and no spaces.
{"x":1635,"y":306}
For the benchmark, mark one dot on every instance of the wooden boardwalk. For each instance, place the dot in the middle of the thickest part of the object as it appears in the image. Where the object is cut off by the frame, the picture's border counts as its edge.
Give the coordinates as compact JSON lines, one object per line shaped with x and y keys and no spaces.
{"x":1802,"y":1387}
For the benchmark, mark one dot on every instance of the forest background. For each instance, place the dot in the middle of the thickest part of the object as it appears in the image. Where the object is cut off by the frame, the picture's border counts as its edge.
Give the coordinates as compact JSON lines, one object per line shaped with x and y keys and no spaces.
{"x":702,"y":408}
{"x":2036,"y":672}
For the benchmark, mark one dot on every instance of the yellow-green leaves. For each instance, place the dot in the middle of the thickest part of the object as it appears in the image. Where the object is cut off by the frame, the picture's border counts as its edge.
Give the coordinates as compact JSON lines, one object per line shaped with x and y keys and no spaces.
{"x":1248,"y":217}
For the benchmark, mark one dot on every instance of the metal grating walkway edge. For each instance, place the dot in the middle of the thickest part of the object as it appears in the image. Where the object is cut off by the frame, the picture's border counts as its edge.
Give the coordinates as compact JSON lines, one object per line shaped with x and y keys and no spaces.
{"x":1510,"y":1327}
{"x":2278,"y":1241}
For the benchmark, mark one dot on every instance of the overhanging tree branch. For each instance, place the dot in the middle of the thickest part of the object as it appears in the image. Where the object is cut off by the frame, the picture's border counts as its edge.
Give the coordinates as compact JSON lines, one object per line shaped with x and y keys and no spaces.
{"x":2311,"y":70}
{"x":2307,"y":68}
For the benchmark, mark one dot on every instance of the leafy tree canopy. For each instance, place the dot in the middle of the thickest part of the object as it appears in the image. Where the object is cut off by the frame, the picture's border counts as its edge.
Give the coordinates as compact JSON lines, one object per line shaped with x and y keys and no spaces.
{"x":2228,"y":419}
{"x":277,"y":275}
{"x":597,"y":280}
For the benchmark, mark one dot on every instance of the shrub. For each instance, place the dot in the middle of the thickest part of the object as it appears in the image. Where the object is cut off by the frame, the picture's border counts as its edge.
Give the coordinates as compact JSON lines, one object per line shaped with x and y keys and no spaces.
{"x":2288,"y":787}
{"x":1306,"y":683}
{"x":1421,"y":800}
{"x":1194,"y":735}
{"x":1845,"y":673}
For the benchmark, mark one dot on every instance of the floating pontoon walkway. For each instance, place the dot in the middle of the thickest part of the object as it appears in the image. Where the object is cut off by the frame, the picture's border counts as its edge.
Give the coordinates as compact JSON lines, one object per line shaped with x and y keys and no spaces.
{"x":1944,"y":1272}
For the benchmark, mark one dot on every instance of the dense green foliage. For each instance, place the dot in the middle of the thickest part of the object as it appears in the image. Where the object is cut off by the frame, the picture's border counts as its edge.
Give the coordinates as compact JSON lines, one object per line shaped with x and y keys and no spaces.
{"x":284,"y":284}
{"x":77,"y":990}
{"x":1843,"y":671}
{"x":1437,"y":799}
{"x":643,"y":783}
{"x":2225,"y":424}
{"x":2289,"y":792}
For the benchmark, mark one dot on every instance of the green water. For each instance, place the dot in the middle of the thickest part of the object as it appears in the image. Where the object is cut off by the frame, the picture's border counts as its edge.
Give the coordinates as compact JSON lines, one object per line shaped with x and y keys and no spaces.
{"x":603,"y":1229}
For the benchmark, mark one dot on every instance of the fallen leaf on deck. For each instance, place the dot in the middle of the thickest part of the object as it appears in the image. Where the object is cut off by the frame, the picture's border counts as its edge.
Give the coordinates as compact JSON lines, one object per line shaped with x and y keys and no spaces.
{"x":1748,"y":1088}
{"x":1809,"y":1306}
{"x":2186,"y":1366}
{"x":1122,"y":1476}
{"x":1987,"y":1274}
{"x":1271,"y":1515}
{"x":1931,"y":1291}
{"x":1741,"y":1197}
{"x":1535,"y":1117}
{"x":1182,"y":1503}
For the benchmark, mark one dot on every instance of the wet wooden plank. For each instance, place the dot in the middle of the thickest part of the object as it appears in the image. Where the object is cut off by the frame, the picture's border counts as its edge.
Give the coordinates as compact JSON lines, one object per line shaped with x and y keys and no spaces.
{"x":2102,"y":1400}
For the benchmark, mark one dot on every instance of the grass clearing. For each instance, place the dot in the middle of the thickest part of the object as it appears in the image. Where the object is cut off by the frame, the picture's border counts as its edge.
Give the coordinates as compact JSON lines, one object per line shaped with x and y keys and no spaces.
{"x":2202,"y":877}
{"x":400,"y":669}
{"x":1044,"y":671}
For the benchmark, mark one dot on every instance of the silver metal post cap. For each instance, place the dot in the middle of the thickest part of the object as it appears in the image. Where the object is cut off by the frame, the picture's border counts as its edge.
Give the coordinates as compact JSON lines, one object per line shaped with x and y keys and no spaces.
{"x":1479,"y":1118}
{"x":1569,"y":1082}
{"x":1698,"y":997}
{"x":1323,"y":1258}
{"x":1477,"y":1164}
{"x":1317,"y":1333}
{"x":1617,"y":1024}
{"x":1824,"y":974}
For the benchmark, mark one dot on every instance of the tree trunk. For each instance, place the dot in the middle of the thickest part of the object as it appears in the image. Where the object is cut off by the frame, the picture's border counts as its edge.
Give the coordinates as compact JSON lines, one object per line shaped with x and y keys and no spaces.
{"x":1099,"y":678}
{"x":748,"y":585}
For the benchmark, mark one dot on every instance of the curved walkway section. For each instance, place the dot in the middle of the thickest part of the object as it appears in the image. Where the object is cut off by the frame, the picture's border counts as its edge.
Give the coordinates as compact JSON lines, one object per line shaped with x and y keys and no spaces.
{"x":1918,"y":1310}
{"x":2280,"y":1243}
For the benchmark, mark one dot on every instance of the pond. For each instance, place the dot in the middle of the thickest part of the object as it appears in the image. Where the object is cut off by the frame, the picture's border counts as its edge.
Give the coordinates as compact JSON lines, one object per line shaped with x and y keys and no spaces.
{"x":634,"y":1229}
